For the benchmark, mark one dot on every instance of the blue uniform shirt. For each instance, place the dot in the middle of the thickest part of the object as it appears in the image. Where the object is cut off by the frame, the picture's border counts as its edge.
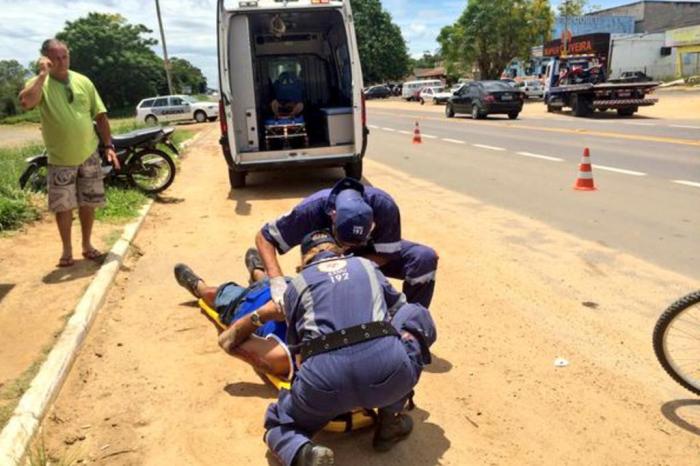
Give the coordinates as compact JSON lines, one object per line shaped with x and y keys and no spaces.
{"x":313,"y":213}
{"x":334,"y":293}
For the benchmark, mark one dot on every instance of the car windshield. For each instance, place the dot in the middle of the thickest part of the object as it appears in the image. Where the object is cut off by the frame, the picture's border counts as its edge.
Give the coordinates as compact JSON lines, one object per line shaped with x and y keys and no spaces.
{"x":497,"y":86}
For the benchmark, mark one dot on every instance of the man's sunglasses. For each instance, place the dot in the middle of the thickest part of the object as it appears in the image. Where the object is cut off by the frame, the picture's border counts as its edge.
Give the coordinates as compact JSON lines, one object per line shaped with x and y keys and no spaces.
{"x":69,"y":93}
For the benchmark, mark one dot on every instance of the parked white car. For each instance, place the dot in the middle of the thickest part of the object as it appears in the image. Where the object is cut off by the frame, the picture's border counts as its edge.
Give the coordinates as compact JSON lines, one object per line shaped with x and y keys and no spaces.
{"x":443,"y":97}
{"x":532,"y":89}
{"x":428,"y":93}
{"x":167,"y":108}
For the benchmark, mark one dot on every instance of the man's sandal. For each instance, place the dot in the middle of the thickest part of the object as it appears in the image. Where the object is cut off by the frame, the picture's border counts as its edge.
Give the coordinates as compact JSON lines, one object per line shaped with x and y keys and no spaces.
{"x":65,"y":262}
{"x":92,"y":254}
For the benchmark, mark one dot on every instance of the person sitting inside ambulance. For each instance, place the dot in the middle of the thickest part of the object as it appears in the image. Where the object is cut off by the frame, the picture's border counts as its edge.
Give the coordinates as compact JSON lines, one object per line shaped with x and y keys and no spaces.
{"x":289,"y":96}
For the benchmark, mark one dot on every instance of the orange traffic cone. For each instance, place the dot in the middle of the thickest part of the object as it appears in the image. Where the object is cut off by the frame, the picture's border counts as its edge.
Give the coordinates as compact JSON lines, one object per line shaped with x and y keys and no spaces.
{"x":584,"y":182}
{"x":416,"y":135}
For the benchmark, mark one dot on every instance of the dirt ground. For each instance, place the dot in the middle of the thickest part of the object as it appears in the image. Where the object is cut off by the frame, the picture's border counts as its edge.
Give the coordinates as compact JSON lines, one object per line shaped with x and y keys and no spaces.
{"x":672,"y":105}
{"x":151,"y":387}
{"x":18,"y":135}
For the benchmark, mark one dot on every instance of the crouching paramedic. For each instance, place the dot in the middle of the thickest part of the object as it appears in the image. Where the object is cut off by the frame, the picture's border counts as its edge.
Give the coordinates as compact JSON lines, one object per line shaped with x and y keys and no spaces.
{"x":365,"y":221}
{"x":359,"y":345}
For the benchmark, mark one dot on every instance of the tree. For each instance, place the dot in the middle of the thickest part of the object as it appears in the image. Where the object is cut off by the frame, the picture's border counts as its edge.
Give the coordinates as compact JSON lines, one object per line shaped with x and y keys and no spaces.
{"x":383,"y":51}
{"x":187,"y":76}
{"x":116,"y":56}
{"x":428,"y":60}
{"x":12,"y":78}
{"x":575,"y":7}
{"x":490,"y":33}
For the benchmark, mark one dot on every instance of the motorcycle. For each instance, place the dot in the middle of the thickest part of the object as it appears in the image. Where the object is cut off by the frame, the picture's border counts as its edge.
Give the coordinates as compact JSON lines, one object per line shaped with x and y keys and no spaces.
{"x":143,"y":165}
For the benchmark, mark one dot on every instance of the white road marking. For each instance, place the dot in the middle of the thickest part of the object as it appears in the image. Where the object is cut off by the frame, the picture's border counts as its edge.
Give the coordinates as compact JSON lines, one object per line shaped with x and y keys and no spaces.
{"x":685,"y":126}
{"x":538,"y":156}
{"x":618,"y":170}
{"x":429,"y":136}
{"x":637,"y":124}
{"x":404,"y":132}
{"x":483,"y":146}
{"x":373,"y":127}
{"x":687,"y":183}
{"x":389,"y":129}
{"x":453,"y":141}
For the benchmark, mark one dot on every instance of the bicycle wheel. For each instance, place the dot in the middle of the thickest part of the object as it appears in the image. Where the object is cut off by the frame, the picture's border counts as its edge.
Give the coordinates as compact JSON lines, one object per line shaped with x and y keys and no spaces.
{"x":152,"y":171}
{"x":677,"y":341}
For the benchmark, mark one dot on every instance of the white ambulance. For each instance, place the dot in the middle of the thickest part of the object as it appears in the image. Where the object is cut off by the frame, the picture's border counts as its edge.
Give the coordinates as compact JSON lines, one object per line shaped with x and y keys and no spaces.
{"x":266,"y":46}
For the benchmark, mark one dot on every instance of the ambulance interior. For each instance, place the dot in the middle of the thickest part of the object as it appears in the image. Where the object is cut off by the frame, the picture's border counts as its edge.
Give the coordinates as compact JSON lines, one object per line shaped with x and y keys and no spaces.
{"x":313,"y":47}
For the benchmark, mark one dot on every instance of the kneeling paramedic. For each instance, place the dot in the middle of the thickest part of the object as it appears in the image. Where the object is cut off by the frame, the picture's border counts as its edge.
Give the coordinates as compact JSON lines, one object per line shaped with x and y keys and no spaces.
{"x":358,"y":345}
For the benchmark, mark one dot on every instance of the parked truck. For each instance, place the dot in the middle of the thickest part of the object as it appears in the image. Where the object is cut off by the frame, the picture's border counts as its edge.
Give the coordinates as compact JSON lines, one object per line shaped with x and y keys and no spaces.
{"x":581,"y":84}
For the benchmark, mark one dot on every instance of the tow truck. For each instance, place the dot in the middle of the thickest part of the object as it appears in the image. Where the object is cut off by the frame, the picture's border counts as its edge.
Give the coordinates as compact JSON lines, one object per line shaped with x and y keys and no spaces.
{"x":577,"y":79}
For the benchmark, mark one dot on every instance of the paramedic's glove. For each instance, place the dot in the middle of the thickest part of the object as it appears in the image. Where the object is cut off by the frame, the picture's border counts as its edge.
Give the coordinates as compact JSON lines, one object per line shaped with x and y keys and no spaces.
{"x":278,"y":286}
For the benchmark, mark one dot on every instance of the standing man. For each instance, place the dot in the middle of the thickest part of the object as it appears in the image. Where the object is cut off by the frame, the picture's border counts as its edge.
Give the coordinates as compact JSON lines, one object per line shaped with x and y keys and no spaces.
{"x":366,"y":222}
{"x":69,"y":103}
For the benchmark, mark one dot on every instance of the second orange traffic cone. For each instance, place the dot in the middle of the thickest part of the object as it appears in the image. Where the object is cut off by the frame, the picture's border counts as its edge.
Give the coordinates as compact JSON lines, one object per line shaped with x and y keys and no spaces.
{"x":416,"y":135}
{"x":584,"y":182}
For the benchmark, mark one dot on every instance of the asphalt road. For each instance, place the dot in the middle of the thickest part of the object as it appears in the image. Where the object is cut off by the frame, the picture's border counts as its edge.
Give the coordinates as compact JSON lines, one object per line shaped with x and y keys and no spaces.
{"x":647,"y":172}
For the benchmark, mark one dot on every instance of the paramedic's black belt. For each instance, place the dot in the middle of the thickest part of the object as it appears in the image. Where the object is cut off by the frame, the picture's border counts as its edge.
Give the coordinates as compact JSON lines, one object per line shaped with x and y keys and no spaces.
{"x":346,"y":337}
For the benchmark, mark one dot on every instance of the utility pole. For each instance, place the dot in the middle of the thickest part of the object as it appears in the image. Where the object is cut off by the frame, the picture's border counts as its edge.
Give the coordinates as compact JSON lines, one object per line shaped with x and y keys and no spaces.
{"x":565,"y":39}
{"x":166,"y":62}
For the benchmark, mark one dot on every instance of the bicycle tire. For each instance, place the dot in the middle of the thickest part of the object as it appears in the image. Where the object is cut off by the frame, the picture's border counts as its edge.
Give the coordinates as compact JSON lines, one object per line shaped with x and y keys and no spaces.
{"x":659,"y":340}
{"x":136,"y":159}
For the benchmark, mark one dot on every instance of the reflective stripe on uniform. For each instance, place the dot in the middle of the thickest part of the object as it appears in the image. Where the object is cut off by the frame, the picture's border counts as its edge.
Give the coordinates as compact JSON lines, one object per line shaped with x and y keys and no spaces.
{"x":307,"y":303}
{"x":387,"y":248}
{"x":275,"y":232}
{"x":428,"y":277}
{"x":378,"y":304}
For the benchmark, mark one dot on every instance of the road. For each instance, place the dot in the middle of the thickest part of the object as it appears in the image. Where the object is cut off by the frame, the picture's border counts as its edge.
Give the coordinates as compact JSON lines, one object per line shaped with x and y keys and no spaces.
{"x":647,"y":172}
{"x":514,"y":294}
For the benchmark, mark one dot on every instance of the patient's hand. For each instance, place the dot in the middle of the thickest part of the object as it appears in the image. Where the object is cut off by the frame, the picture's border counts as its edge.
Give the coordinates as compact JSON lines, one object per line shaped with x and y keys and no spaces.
{"x":231,"y":338}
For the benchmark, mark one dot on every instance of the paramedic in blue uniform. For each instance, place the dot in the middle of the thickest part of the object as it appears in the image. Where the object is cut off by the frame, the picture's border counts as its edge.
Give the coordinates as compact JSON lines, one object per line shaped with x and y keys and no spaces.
{"x":358,"y":343}
{"x":366,"y":222}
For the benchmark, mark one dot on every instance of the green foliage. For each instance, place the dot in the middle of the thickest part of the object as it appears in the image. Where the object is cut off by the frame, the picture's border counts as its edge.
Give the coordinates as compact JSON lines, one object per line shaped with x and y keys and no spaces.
{"x":116,"y":56}
{"x":428,"y":60}
{"x":382,"y":48}
{"x":122,"y":203}
{"x":187,"y":77}
{"x":490,"y":33}
{"x":32,"y":116}
{"x":575,"y":7}
{"x":16,"y":206}
{"x":12,"y":78}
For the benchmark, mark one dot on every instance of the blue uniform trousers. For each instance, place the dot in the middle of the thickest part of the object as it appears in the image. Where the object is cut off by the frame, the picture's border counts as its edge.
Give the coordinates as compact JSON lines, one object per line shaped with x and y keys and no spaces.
{"x":370,"y":374}
{"x":416,"y":267}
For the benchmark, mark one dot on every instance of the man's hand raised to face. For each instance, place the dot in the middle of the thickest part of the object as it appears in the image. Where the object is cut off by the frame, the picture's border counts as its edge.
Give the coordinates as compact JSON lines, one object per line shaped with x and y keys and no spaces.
{"x":45,"y":66}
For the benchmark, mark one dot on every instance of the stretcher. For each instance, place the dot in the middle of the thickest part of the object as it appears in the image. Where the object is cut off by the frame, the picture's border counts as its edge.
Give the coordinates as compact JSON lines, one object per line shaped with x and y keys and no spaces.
{"x":358,"y":419}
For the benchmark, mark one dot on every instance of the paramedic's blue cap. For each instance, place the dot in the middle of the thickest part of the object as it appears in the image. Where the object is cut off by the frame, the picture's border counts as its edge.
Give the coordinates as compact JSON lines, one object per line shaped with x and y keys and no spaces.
{"x":315,"y":238}
{"x":353,"y":217}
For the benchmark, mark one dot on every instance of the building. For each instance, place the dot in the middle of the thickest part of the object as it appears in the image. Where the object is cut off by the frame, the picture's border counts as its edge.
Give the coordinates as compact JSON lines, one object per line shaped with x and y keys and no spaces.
{"x":684,"y":45}
{"x":582,"y":25}
{"x":642,"y":52}
{"x":652,"y":16}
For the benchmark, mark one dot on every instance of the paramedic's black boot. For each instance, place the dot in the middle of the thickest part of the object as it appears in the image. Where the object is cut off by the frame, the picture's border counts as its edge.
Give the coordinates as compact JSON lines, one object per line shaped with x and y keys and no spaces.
{"x":187,"y":279}
{"x":391,"y":429}
{"x":253,"y":262}
{"x":314,"y":455}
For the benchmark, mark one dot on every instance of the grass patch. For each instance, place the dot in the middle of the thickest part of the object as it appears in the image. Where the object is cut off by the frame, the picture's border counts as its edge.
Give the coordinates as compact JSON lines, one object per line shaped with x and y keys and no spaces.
{"x":16,"y":206}
{"x":123,"y":203}
{"x":32,"y":116}
{"x":11,"y":393}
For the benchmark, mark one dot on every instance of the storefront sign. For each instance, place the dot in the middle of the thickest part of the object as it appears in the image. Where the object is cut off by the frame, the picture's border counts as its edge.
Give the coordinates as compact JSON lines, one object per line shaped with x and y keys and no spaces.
{"x":683,"y":36}
{"x":591,"y":44}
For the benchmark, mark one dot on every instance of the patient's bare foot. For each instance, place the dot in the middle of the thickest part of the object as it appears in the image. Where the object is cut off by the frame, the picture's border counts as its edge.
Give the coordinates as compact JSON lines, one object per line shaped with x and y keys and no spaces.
{"x":227,"y":339}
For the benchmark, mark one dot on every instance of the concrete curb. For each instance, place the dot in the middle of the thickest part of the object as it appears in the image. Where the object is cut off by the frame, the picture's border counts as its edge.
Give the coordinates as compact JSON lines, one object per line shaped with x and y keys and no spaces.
{"x":25,"y":420}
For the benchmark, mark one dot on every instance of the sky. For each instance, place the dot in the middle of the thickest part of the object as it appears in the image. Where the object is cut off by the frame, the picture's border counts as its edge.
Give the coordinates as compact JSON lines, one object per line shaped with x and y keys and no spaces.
{"x":190,"y":24}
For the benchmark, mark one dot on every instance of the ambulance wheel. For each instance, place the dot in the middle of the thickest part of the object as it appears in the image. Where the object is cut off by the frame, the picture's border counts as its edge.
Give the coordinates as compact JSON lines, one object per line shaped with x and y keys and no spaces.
{"x":354,"y":169}
{"x":236,"y":178}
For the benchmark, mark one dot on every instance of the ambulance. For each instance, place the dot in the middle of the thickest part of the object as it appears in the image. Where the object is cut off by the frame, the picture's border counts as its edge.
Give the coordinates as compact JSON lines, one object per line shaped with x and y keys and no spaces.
{"x":263,"y":45}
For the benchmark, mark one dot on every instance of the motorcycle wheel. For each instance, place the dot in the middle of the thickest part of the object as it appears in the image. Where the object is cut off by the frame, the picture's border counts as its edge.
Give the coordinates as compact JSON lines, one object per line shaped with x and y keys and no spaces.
{"x":33,"y":178}
{"x":152,"y":171}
